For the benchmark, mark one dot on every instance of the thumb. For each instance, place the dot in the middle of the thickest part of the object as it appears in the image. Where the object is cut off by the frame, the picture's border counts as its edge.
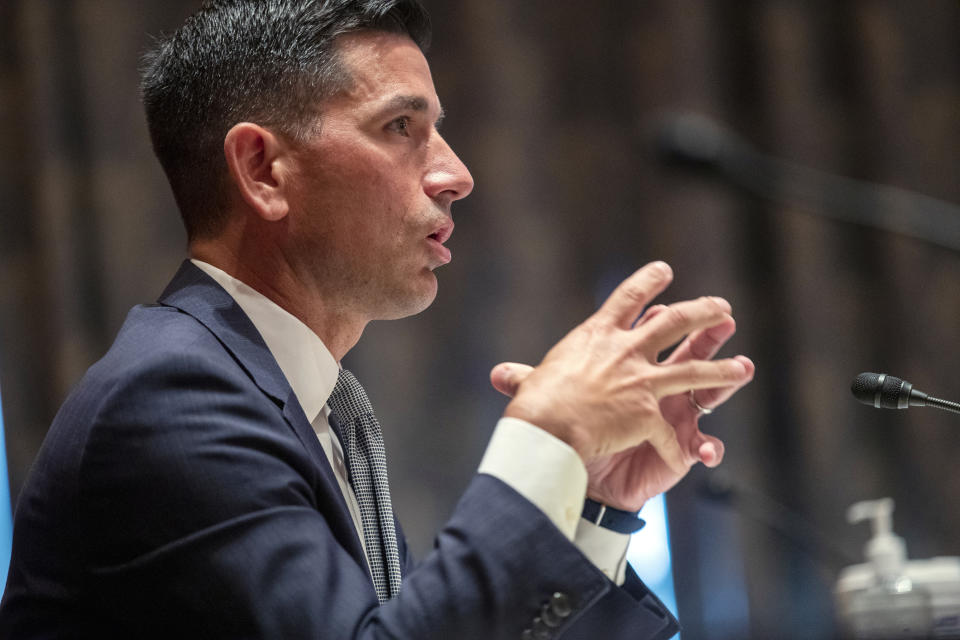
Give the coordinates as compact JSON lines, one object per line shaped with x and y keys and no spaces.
{"x":507,"y":376}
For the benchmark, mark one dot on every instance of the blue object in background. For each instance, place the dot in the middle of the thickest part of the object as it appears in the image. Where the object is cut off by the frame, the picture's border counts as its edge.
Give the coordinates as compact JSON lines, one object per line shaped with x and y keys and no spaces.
{"x":649,"y":553}
{"x":6,"y":516}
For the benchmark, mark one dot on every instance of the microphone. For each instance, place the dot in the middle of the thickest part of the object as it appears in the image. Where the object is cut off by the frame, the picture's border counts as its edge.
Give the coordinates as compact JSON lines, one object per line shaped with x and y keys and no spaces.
{"x":889,"y":392}
{"x":697,"y":143}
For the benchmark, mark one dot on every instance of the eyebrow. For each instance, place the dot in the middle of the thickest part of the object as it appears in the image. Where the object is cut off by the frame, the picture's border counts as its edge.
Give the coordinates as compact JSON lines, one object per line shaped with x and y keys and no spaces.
{"x":413,"y":103}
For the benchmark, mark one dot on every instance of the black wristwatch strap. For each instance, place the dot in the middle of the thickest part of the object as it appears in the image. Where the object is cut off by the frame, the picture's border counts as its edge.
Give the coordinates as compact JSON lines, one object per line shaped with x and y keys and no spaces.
{"x":610,"y":518}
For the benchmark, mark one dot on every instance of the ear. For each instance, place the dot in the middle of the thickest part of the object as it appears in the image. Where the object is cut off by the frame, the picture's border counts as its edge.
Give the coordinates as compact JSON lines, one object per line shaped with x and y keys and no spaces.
{"x":254,"y":158}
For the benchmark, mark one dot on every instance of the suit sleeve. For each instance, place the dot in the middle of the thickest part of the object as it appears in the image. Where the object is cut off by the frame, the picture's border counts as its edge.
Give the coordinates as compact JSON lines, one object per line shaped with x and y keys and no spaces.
{"x":206,"y":517}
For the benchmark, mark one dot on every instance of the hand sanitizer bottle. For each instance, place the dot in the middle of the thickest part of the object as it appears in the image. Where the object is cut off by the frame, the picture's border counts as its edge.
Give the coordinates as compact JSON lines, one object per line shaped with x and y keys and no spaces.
{"x":879,"y":600}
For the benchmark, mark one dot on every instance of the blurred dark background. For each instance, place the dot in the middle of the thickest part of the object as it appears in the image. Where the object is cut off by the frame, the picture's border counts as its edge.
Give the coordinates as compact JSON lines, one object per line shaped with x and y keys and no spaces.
{"x":548,"y":103}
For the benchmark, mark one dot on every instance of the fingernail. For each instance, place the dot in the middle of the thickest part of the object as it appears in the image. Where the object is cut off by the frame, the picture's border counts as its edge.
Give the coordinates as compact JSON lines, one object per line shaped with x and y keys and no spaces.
{"x":708,"y":454}
{"x":663,"y":267}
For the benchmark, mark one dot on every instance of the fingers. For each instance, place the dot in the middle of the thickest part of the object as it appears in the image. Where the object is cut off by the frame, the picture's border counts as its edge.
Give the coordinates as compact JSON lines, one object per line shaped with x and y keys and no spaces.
{"x":712,"y":398}
{"x":705,"y":343}
{"x":671,"y":324}
{"x":699,"y":374}
{"x":709,"y":450}
{"x":665,"y":443}
{"x":633,"y":294}
{"x":507,"y":376}
{"x":649,"y":312}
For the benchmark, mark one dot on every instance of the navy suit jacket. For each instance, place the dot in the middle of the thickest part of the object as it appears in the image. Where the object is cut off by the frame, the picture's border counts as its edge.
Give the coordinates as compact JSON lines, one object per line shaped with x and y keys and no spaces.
{"x":181,"y":492}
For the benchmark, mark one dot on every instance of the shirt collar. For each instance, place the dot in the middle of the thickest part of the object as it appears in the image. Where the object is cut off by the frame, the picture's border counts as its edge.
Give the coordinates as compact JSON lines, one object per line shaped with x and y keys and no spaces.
{"x":305,"y":361}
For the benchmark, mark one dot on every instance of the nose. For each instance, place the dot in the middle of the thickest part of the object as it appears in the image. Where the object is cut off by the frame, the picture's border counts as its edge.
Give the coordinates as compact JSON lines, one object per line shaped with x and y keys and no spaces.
{"x":447,"y":179}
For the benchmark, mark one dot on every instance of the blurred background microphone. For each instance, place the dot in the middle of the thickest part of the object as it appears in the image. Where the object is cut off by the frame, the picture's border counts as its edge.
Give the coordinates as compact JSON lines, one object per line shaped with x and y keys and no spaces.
{"x":697,"y":143}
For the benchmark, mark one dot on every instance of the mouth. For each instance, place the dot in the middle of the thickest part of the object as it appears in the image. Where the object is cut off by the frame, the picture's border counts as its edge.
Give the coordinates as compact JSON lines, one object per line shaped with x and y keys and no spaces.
{"x":442,"y":233}
{"x":436,"y":239}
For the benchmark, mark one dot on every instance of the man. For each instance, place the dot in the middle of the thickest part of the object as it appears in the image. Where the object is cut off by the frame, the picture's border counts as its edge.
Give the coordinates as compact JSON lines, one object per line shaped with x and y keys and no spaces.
{"x":213,"y":476}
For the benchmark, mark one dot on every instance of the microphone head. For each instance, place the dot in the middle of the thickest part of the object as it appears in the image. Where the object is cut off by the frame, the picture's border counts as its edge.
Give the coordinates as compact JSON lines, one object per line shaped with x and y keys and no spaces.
{"x":881,"y":391}
{"x":691,"y":139}
{"x":864,"y":387}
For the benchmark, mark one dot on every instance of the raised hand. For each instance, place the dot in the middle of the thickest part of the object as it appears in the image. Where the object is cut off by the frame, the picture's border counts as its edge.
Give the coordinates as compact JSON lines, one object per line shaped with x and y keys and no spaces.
{"x":602,"y":390}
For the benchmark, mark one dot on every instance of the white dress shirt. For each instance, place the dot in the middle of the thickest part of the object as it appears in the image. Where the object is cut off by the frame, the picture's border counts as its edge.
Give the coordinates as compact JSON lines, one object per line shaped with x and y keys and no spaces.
{"x":540,"y":467}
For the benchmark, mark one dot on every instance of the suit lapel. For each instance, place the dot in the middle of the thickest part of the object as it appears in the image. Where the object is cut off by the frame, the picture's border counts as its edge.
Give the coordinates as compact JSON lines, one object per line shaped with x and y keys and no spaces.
{"x":195,"y":293}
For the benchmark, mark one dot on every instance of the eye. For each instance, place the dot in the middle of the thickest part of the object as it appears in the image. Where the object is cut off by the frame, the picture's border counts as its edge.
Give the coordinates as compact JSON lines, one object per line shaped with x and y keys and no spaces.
{"x":401,"y":125}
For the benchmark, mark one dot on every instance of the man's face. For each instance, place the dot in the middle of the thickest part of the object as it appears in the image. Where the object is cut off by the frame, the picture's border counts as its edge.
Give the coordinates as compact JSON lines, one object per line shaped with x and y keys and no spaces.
{"x":373,"y":188}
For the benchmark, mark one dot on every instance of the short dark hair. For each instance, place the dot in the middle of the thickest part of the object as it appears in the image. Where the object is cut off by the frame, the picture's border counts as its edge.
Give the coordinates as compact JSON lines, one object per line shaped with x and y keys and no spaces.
{"x":267,"y":61}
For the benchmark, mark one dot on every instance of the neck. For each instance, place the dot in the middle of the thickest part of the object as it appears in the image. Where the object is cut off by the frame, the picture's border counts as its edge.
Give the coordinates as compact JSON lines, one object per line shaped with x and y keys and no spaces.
{"x":338,"y":327}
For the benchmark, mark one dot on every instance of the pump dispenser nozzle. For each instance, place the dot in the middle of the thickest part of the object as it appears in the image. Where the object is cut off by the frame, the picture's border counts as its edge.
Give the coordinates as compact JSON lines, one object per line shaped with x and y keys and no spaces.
{"x":885,"y":550}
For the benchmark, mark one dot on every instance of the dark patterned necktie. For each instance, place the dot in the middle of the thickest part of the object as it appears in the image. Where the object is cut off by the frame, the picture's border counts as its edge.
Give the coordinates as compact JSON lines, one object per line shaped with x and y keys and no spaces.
{"x":367,"y":465}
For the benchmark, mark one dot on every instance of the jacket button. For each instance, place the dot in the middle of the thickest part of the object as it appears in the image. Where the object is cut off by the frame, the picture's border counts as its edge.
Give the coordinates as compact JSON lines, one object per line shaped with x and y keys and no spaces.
{"x":540,"y":630}
{"x":560,"y":603}
{"x":550,"y":618}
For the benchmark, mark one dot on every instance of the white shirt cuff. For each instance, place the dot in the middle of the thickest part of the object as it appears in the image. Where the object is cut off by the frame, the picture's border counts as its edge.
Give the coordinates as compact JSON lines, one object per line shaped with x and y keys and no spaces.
{"x":606,"y":549}
{"x":550,"y":474}
{"x":543,"y":469}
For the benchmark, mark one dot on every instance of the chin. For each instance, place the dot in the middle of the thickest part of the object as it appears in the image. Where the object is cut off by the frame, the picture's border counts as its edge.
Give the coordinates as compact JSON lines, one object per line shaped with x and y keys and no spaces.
{"x":412,"y":301}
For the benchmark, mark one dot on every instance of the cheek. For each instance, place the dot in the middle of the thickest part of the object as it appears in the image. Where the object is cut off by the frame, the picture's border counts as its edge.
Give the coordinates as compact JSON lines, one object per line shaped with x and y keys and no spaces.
{"x":372,"y":200}
{"x":363,"y":184}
